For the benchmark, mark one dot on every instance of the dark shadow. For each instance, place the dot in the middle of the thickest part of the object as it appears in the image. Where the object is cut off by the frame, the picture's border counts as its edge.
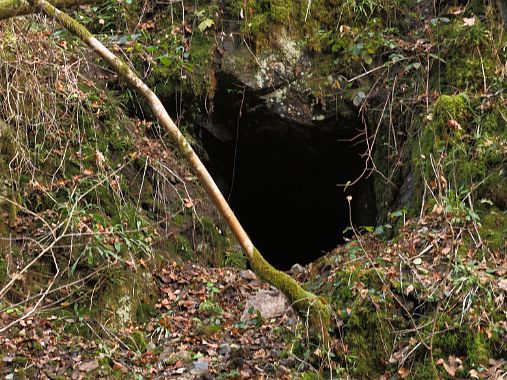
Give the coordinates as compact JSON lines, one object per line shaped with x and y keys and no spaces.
{"x":282,"y":179}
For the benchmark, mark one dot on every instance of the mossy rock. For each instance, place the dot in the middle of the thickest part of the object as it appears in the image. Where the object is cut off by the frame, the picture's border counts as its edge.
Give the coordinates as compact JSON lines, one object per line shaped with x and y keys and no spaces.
{"x":126,"y":294}
{"x":366,"y":330}
{"x":472,"y":151}
{"x":470,"y":344}
{"x":493,"y":228}
{"x":368,"y":339}
{"x":466,"y":54}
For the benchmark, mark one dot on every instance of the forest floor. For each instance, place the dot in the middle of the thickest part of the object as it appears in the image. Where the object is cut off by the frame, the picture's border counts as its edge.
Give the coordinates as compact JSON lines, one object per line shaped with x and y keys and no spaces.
{"x":202,"y":328}
{"x":197,"y":333}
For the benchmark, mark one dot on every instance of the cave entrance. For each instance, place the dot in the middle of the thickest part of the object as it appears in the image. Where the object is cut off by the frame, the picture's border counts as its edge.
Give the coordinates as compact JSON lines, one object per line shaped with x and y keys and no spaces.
{"x":281,"y":179}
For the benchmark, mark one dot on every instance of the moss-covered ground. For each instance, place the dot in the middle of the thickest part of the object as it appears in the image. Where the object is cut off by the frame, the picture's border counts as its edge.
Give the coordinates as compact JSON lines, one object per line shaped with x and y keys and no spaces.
{"x":427,"y":304}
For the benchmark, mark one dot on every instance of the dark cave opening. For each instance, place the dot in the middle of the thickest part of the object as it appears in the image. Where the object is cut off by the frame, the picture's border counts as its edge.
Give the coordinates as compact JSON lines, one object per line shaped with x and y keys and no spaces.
{"x":282,"y":179}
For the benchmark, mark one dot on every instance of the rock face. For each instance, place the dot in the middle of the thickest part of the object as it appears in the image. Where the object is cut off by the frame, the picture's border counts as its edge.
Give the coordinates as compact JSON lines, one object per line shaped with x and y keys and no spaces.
{"x":270,"y":304}
{"x":285,"y":78}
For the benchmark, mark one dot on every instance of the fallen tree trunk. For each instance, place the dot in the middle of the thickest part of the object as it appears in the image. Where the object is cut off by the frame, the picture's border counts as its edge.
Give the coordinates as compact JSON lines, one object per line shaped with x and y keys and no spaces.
{"x":308,"y":305}
{"x":12,"y":8}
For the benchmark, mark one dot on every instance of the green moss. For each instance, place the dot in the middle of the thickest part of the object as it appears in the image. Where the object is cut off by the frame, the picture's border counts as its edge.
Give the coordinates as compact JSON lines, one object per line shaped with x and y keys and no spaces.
{"x":207,"y":329}
{"x":478,"y":349}
{"x":119,"y":302}
{"x":183,"y":246}
{"x":366,"y":331}
{"x":424,"y":370}
{"x":14,"y":208}
{"x":215,"y":244}
{"x":494,"y":228}
{"x":257,"y":25}
{"x":450,"y":107}
{"x":306,"y":304}
{"x":309,"y":375}
{"x":461,"y":341}
{"x":180,"y":67}
{"x":309,"y":22}
{"x":210,"y":308}
{"x":7,"y":190}
{"x":106,"y":199}
{"x":467,"y":144}
{"x":235,"y":259}
{"x":3,"y":267}
{"x":20,"y":360}
{"x":467,"y":53}
{"x":435,"y":137}
{"x":357,"y":299}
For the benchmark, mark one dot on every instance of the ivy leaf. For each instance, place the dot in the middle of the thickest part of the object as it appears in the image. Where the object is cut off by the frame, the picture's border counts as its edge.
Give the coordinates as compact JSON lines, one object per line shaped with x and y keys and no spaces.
{"x":205,"y":24}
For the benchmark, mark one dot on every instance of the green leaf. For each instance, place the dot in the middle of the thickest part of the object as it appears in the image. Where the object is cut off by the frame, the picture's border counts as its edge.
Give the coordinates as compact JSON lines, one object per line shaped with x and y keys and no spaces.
{"x":415,"y":66}
{"x":434,"y":56}
{"x":205,"y":24}
{"x":198,"y":355}
{"x":165,"y":60}
{"x":117,"y":246}
{"x":397,"y":213}
{"x":358,"y":99}
{"x":89,"y":260}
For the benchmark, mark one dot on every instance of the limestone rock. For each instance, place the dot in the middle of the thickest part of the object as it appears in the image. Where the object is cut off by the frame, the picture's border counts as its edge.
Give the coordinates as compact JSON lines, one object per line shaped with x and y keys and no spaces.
{"x":248,"y":275}
{"x":270,"y":304}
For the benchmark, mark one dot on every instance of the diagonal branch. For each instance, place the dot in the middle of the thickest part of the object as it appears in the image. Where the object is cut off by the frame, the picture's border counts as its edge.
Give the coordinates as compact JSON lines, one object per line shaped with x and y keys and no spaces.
{"x":308,"y":305}
{"x":12,"y":8}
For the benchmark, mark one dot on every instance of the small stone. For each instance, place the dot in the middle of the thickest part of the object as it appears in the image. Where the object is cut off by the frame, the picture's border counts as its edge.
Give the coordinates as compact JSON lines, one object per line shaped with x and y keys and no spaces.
{"x":248,"y":275}
{"x":270,"y":304}
{"x":297,"y":269}
{"x":225,"y":349}
{"x":201,"y":366}
{"x":89,"y":366}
